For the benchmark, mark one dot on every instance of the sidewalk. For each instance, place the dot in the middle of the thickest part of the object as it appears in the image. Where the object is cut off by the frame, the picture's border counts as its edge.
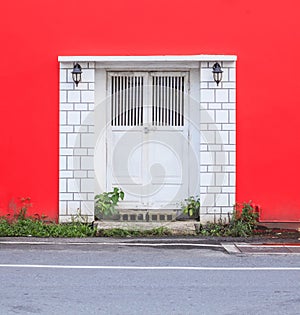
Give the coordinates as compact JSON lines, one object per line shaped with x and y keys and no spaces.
{"x":233,"y":246}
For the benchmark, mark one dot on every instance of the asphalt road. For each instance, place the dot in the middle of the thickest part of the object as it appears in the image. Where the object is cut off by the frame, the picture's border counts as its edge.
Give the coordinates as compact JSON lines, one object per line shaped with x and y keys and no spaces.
{"x":116,"y":279}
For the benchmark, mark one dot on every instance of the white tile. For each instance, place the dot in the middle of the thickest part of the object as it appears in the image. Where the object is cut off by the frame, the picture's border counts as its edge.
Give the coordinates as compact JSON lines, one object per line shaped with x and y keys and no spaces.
{"x":222,"y":116}
{"x":87,"y":96}
{"x":232,"y":116}
{"x":232,"y":74}
{"x":73,"y":185}
{"x":222,"y":200}
{"x":232,"y":179}
{"x":88,"y":75}
{"x":62,"y":140}
{"x":74,"y":118}
{"x":222,"y":95}
{"x":203,"y":189}
{"x":62,"y":185}
{"x":232,"y":137}
{"x":207,"y":116}
{"x":222,"y":137}
{"x":63,"y":75}
{"x":66,"y":86}
{"x":203,"y":169}
{"x":228,"y":190}
{"x":208,"y":136}
{"x":206,"y":158}
{"x":215,"y":126}
{"x":214,"y":190}
{"x":73,"y":140}
{"x":232,"y":200}
{"x":208,"y":200}
{"x":215,"y":168}
{"x":62,"y":96}
{"x":73,"y":96}
{"x":87,"y":118}
{"x":217,"y":106}
{"x":65,"y":196}
{"x":81,"y":106}
{"x":222,"y":179}
{"x":231,"y":95}
{"x":73,"y":163}
{"x":82,"y":87}
{"x":228,"y":106}
{"x":62,"y":163}
{"x":81,"y":129}
{"x":207,"y":179}
{"x":66,"y":129}
{"x":66,"y":151}
{"x":80,"y":151}
{"x":228,"y":126}
{"x":207,"y":95}
{"x":87,"y":185}
{"x":232,"y":156}
{"x":66,"y":106}
{"x":87,"y":208}
{"x":80,"y":174}
{"x":206,"y":75}
{"x":62,"y":207}
{"x":214,"y":147}
{"x":228,"y":85}
{"x":63,"y":118}
{"x":229,"y":147}
{"x":66,"y":65}
{"x":91,"y":152}
{"x":87,"y":140}
{"x":73,"y":207}
{"x":87,"y":162}
{"x":65,"y":174}
{"x":222,"y":158}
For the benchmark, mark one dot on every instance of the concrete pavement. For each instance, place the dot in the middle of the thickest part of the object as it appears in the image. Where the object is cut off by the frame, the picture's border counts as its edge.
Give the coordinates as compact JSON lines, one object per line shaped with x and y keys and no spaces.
{"x":235,"y":246}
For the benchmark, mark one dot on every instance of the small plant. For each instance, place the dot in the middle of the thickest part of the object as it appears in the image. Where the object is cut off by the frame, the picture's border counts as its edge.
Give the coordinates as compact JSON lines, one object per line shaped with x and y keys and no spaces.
{"x":242,"y":223}
{"x":191,"y":207}
{"x":105,"y":203}
{"x":117,"y":232}
{"x":244,"y":220}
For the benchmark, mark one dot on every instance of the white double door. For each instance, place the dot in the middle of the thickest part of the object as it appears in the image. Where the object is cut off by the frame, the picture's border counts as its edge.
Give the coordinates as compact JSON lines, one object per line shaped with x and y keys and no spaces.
{"x":147,"y":138}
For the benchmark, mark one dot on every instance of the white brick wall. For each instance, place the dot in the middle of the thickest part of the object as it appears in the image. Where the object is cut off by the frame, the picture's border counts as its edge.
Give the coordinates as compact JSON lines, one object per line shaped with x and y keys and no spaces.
{"x":217,"y":145}
{"x":217,"y":185}
{"x":76,"y":115}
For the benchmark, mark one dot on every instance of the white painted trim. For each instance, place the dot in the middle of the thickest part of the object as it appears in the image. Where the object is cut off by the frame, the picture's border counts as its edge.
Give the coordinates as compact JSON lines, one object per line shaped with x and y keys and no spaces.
{"x":152,"y":267}
{"x":147,"y":58}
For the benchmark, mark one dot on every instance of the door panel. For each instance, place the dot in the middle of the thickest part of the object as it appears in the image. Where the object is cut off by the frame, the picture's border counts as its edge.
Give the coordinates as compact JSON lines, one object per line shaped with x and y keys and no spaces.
{"x":147,"y":139}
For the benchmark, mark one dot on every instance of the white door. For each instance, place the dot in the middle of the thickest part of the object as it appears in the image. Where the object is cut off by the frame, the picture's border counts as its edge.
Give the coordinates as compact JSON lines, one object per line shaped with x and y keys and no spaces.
{"x":147,"y":142}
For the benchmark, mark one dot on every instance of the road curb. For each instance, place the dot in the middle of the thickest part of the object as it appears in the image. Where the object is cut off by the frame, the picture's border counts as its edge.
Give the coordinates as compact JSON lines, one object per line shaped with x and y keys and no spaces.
{"x":231,"y":248}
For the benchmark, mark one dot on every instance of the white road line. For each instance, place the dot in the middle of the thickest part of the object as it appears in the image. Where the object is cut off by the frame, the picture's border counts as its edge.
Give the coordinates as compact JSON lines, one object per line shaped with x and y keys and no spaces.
{"x":153,"y":267}
{"x":113,"y":243}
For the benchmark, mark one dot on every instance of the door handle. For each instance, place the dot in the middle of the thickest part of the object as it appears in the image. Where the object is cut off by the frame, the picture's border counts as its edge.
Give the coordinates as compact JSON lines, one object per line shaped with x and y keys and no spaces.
{"x":146,"y":129}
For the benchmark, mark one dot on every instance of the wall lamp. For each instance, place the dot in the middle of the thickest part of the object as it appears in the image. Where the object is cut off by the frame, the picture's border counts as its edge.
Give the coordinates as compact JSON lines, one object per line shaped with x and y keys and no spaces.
{"x":76,"y":73}
{"x":217,"y":73}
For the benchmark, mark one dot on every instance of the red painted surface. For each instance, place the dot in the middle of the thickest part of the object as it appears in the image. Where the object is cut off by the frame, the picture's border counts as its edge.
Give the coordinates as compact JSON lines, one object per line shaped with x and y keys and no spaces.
{"x":265,"y":37}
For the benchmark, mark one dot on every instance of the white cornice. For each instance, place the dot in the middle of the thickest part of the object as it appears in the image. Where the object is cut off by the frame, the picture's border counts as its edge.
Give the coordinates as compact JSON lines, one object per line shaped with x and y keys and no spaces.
{"x":185,"y":58}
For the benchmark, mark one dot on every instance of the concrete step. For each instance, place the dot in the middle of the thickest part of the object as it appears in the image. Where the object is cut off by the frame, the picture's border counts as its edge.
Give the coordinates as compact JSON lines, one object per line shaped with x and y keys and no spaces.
{"x":148,"y":215}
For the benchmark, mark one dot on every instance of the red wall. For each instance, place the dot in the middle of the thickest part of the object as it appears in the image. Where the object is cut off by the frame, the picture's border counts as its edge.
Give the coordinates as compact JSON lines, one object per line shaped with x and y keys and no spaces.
{"x":265,"y":36}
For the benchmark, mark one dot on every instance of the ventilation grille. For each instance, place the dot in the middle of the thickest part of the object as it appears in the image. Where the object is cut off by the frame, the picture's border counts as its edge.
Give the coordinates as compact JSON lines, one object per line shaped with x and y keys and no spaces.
{"x":168,"y":100}
{"x":127,"y":100}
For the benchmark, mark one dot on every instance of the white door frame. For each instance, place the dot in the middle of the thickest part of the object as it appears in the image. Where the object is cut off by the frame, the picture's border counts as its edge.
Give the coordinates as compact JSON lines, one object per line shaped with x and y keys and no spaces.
{"x":191,"y":117}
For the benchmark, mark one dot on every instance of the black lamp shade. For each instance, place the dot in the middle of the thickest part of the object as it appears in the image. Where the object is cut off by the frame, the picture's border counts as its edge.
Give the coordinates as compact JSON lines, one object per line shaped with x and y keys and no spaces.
{"x":217,"y":73}
{"x":76,"y":73}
